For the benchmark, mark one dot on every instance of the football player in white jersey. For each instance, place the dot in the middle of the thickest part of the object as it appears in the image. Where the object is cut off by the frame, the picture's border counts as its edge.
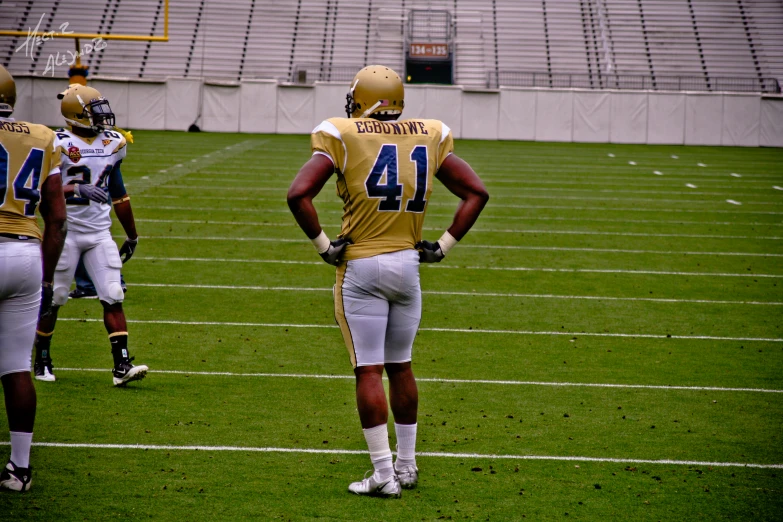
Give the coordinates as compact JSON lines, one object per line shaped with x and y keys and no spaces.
{"x":91,"y":154}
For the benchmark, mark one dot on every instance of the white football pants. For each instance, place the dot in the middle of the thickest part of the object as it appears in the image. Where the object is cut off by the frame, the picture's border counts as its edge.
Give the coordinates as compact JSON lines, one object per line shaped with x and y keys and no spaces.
{"x":20,"y":300}
{"x":377,"y":303}
{"x":101,"y":259}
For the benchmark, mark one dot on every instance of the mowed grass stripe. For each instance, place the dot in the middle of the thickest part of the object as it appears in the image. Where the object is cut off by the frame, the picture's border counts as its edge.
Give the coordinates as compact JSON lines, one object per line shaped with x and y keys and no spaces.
{"x":430,"y":454}
{"x":494,"y":204}
{"x":446,"y":381}
{"x":120,"y":237}
{"x":449,"y":330}
{"x":466,"y":294}
{"x":448,"y":267}
{"x":711,"y":201}
{"x":477,"y":229}
{"x":732,"y":191}
{"x":484,"y":216}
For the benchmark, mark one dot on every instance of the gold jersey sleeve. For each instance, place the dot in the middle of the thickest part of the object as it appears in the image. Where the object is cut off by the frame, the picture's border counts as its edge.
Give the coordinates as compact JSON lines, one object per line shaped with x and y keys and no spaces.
{"x":384,"y":173}
{"x":27,"y":157}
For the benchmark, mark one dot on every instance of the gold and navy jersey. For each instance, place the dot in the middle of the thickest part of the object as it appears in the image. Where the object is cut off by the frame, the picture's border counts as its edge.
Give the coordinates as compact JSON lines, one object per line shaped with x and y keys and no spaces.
{"x":384,"y":177}
{"x":91,"y":161}
{"x":27,"y":157}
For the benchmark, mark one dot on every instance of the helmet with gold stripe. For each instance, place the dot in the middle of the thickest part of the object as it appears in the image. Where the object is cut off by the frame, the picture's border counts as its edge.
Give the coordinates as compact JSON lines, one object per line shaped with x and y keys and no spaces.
{"x":376,"y":91}
{"x":84,"y":107}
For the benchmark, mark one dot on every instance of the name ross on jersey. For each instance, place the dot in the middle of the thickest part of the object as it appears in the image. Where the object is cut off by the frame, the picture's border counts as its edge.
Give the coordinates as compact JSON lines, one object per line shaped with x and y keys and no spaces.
{"x":404,"y":128}
{"x":12,"y":126}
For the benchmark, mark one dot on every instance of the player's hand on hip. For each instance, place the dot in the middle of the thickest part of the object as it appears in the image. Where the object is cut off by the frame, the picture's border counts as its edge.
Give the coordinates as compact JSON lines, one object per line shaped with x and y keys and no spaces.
{"x":334,"y":253}
{"x":91,"y":192}
{"x":429,"y":252}
{"x":47,"y":294}
{"x":127,"y":249}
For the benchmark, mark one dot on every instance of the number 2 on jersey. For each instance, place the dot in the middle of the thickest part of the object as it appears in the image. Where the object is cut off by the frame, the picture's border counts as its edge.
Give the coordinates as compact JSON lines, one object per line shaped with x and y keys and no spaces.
{"x":32,"y":165}
{"x":391,"y":192}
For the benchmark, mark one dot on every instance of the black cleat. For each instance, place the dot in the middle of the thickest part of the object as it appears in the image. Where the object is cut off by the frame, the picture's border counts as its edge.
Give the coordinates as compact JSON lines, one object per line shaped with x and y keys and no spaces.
{"x":81,"y":293}
{"x":16,"y":479}
{"x":125,"y":372}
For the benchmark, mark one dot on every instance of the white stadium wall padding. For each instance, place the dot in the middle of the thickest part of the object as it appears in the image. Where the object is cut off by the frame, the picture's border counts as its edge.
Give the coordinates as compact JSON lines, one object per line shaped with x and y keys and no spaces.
{"x":266,"y":106}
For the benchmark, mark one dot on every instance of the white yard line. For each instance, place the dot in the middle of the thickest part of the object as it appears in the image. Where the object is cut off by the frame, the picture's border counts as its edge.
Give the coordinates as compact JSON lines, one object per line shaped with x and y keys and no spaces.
{"x":472,"y":294}
{"x":512,"y":196}
{"x":178,"y":171}
{"x":446,"y":330}
{"x":532,"y":207}
{"x":497,"y":247}
{"x":430,"y":454}
{"x":449,"y":381}
{"x":441,"y":267}
{"x":506,"y":218}
{"x":485,"y":230}
{"x":536,"y":189}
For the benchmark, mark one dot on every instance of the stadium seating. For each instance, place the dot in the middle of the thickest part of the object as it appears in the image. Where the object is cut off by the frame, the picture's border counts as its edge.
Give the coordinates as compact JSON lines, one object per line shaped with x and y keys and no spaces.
{"x":656,"y":44}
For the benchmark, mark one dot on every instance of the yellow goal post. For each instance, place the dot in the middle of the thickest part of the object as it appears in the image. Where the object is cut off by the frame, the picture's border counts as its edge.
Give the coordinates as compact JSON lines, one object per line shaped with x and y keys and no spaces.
{"x":90,"y":36}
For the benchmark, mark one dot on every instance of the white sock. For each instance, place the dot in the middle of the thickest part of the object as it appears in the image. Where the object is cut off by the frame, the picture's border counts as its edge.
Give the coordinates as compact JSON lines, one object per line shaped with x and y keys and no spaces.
{"x":20,"y":448}
{"x":380,"y":453}
{"x":406,"y":444}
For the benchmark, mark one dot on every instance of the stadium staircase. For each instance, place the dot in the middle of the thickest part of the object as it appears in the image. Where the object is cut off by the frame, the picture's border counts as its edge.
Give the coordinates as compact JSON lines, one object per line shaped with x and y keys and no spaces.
{"x":652,"y":44}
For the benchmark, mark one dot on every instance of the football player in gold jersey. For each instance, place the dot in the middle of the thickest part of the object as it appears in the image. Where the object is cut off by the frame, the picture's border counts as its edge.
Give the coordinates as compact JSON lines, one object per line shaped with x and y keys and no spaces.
{"x":29,"y":180}
{"x":384,"y":168}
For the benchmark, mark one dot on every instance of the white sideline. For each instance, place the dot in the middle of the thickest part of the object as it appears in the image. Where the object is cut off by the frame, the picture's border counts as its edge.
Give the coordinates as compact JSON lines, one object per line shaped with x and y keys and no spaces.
{"x":446,"y":267}
{"x":447,"y":330}
{"x":474,"y":294}
{"x":452,"y":381}
{"x":433,"y":454}
{"x":495,"y":247}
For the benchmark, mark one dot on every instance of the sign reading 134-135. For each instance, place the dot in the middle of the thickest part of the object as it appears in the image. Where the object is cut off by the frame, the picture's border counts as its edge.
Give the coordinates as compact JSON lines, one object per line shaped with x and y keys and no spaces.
{"x":429,"y":50}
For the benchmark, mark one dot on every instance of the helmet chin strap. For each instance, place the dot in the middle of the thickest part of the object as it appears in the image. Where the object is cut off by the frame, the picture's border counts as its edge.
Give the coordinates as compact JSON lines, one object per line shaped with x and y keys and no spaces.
{"x":369,"y":111}
{"x":74,"y":123}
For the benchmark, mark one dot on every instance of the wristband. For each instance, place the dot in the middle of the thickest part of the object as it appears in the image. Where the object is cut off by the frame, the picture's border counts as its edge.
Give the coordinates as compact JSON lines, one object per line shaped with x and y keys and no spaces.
{"x":446,"y":242}
{"x":321,"y":243}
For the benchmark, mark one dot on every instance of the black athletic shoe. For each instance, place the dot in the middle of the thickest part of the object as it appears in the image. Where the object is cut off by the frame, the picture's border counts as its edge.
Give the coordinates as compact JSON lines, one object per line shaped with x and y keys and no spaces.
{"x":16,"y":479}
{"x":125,"y":372}
{"x":81,"y":293}
{"x":43,"y":370}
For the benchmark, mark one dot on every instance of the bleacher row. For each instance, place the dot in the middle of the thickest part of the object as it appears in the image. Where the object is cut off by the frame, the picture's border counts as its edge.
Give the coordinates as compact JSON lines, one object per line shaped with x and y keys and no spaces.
{"x":493,"y":41}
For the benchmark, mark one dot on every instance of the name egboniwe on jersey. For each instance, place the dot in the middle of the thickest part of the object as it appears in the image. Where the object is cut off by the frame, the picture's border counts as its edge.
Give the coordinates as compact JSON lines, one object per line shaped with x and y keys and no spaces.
{"x":384,"y":172}
{"x":403,"y":128}
{"x":89,"y":161}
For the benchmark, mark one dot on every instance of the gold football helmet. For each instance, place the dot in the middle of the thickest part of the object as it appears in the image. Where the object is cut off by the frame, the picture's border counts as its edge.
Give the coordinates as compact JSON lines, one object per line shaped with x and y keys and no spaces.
{"x":7,"y":92}
{"x":84,"y":107}
{"x":375,"y":90}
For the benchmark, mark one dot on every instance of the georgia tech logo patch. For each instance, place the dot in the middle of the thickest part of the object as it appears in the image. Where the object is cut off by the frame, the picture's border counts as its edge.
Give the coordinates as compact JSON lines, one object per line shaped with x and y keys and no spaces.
{"x":74,"y":154}
{"x":106,"y":143}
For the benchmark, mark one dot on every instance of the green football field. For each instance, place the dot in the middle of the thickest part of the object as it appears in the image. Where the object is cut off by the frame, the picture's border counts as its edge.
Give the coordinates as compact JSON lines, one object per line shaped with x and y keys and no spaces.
{"x":605,"y":344}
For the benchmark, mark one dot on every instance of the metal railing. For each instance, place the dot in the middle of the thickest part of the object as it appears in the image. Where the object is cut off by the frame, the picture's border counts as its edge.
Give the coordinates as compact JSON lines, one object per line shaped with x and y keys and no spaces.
{"x":497,"y":79}
{"x":429,"y":25}
{"x":313,"y":72}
